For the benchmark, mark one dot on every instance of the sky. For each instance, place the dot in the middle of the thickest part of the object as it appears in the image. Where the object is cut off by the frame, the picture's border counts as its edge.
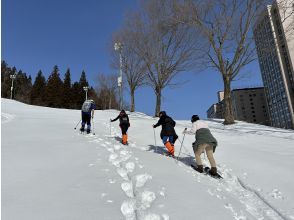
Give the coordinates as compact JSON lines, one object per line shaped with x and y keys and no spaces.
{"x":38,"y":34}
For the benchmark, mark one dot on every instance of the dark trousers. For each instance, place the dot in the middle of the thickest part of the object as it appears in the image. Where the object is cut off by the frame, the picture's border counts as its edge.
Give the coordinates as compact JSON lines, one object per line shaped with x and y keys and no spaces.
{"x":86,"y":119}
{"x":124,"y":128}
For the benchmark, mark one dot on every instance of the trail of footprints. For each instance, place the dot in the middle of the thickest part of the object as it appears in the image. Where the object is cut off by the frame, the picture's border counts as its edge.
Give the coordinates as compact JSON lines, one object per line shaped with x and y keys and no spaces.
{"x":138,"y":197}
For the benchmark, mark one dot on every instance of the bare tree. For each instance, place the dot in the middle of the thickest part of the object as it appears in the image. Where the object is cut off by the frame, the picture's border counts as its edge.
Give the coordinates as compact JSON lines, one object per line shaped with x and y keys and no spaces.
{"x":225,"y":26}
{"x":106,"y":90}
{"x":286,"y":8}
{"x":133,"y":66}
{"x":166,"y":48}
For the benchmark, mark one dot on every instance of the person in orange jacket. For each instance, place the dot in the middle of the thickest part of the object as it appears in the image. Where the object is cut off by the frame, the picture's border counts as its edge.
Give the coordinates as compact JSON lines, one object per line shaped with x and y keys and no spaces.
{"x":124,"y":124}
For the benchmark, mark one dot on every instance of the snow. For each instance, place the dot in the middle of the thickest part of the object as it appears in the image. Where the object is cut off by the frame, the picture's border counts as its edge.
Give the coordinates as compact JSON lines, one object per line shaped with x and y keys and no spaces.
{"x":51,"y":171}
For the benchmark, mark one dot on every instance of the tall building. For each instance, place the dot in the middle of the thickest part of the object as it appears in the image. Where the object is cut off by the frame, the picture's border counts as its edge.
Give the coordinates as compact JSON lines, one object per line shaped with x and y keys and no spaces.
{"x":275,"y":48}
{"x":249,"y":104}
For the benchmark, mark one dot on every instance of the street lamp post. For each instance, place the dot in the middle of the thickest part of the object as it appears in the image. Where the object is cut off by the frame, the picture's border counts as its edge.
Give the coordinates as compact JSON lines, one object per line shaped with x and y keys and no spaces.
{"x":12,"y":77}
{"x":86,"y":88}
{"x":118,"y":47}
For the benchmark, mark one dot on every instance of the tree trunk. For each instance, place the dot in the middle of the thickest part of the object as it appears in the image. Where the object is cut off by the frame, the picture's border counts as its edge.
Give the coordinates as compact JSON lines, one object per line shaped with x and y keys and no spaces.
{"x":158,"y":102}
{"x":229,"y":115}
{"x":132,"y":100}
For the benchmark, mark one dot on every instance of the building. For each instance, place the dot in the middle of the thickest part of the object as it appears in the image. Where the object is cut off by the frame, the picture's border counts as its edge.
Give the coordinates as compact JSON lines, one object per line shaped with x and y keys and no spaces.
{"x":249,"y":105}
{"x":217,"y":109}
{"x":275,"y":49}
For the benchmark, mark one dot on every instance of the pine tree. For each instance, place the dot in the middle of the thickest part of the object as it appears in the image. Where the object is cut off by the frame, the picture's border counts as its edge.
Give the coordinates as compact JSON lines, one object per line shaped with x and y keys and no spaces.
{"x":54,"y":89}
{"x":5,"y":80}
{"x":38,"y":90}
{"x":22,"y":87}
{"x":83,"y":80}
{"x":79,"y":92}
{"x":76,"y":102}
{"x":67,"y":90}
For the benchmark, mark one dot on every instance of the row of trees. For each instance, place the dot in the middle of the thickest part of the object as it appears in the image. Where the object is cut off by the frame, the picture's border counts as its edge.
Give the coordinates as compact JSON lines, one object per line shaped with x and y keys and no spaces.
{"x":164,"y":38}
{"x":55,"y":92}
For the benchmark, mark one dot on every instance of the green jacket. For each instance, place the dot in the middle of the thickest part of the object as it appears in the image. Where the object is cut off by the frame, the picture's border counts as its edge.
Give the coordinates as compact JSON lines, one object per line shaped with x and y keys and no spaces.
{"x":204,"y":136}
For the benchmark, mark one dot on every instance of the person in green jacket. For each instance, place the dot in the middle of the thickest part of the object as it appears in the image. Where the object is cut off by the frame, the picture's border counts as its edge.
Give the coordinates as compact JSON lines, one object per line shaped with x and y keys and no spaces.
{"x":204,"y":142}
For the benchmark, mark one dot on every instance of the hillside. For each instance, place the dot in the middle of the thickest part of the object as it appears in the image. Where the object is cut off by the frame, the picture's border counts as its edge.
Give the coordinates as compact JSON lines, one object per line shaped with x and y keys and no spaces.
{"x":51,"y":171}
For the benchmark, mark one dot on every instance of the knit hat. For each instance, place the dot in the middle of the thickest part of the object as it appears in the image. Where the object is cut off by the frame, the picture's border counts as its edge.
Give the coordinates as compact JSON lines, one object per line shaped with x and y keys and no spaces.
{"x":194,"y":118}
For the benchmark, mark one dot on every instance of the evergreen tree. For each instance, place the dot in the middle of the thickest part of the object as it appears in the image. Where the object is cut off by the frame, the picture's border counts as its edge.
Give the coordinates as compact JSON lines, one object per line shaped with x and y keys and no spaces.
{"x":76,"y":89}
{"x":54,"y":89}
{"x":83,"y":80}
{"x":79,"y":93}
{"x":38,"y":90}
{"x":22,"y":87}
{"x":67,"y":90}
{"x":5,"y":80}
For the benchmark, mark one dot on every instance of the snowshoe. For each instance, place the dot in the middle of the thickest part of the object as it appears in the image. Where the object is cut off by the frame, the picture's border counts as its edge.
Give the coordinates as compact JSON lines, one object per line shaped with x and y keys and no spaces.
{"x":208,"y":171}
{"x":199,"y":168}
{"x":168,"y":154}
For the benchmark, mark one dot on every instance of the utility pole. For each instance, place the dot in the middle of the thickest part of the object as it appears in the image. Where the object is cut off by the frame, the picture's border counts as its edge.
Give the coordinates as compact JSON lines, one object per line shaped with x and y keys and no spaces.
{"x":86,"y":88}
{"x":12,"y":77}
{"x":118,"y":47}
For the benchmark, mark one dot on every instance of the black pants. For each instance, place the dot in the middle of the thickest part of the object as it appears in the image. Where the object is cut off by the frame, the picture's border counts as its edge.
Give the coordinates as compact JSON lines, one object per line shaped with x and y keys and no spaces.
{"x":86,"y":119}
{"x":124,"y":128}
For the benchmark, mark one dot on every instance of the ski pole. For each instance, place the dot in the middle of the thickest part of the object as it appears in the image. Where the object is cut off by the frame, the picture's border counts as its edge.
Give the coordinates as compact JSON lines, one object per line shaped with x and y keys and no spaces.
{"x":181,"y":146}
{"x":93,"y":126}
{"x":110,"y":127}
{"x":155,"y":139}
{"x":77,"y":124}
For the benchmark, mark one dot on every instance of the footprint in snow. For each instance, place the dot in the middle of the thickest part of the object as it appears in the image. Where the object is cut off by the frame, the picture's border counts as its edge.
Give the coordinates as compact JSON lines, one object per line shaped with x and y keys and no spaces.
{"x":147,"y":197}
{"x":141,"y":179}
{"x":130,"y":166}
{"x":128,"y":208}
{"x":123,"y":173}
{"x":127,"y":187}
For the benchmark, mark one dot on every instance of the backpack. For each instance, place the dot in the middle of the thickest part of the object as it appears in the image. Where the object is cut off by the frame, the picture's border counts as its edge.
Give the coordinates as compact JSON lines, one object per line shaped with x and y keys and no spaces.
{"x":87,"y":106}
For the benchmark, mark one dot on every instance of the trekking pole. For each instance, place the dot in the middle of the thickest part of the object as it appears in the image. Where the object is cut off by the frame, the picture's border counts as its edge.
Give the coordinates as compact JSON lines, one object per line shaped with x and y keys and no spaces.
{"x":155,"y":139}
{"x":110,"y":127}
{"x":77,"y":124}
{"x":93,"y":126}
{"x":181,"y":146}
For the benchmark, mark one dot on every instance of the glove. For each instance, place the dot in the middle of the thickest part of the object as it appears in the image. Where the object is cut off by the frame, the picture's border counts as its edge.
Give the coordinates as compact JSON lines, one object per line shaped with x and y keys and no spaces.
{"x":153,"y":126}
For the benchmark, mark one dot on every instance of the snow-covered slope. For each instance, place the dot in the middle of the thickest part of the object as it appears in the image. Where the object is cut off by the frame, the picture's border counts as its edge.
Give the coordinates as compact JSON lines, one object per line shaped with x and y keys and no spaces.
{"x":51,"y":171}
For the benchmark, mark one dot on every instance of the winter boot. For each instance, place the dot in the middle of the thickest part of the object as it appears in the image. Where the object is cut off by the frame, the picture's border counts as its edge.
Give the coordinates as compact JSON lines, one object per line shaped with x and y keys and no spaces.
{"x":88,"y":131}
{"x":82,"y":129}
{"x":124,"y":139}
{"x":213,"y":171}
{"x":199,"y":168}
{"x":170,"y":148}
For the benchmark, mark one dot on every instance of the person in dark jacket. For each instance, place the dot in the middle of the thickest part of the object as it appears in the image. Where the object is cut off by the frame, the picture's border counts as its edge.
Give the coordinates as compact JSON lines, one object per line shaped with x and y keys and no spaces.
{"x":168,"y":133}
{"x":124,"y":124}
{"x":204,"y":142}
{"x":87,"y":111}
